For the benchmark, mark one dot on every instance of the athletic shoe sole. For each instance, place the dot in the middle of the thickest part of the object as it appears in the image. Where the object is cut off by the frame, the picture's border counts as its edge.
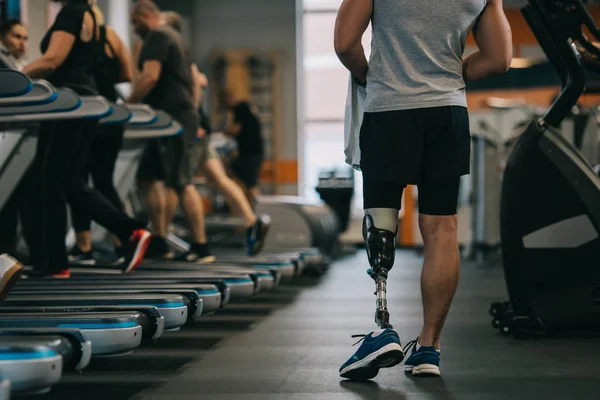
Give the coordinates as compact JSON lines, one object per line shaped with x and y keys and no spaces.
{"x":206,"y":260}
{"x":10,"y":277}
{"x":138,"y":255}
{"x":424,"y":370}
{"x":81,"y":262}
{"x":388,"y":356}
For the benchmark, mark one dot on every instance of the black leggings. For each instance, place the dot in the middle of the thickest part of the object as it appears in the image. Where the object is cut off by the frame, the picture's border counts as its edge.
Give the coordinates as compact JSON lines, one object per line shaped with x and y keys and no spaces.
{"x":9,"y":221}
{"x":101,"y":163}
{"x":55,"y":178}
{"x":436,"y":197}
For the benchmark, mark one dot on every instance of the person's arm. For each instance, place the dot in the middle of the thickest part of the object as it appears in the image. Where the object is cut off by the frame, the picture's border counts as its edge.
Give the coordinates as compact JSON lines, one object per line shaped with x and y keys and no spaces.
{"x":196,"y":86}
{"x":60,"y":45}
{"x":234,"y":126}
{"x":67,"y":27}
{"x":135,"y":57}
{"x":494,"y":39}
{"x":154,"y":52}
{"x":235,"y":129}
{"x":351,"y":23}
{"x":146,"y":81}
{"x":121,"y":54}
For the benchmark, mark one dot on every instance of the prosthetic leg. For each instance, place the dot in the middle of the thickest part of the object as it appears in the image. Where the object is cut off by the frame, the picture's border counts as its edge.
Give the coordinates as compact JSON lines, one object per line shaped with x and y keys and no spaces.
{"x":381,"y":249}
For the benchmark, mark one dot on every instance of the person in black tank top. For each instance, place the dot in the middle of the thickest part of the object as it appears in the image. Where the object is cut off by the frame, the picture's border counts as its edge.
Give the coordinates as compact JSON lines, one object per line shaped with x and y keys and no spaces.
{"x":56,"y":176}
{"x":112,"y":67}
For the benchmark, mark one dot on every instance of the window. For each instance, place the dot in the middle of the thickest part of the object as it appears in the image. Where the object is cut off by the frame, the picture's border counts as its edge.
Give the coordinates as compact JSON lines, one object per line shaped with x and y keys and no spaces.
{"x":325,"y":88}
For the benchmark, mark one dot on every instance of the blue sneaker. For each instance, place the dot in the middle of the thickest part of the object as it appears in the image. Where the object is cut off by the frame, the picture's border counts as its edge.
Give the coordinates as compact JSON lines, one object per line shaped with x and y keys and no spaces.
{"x":379,"y":349}
{"x":256,"y":235}
{"x":424,"y":361}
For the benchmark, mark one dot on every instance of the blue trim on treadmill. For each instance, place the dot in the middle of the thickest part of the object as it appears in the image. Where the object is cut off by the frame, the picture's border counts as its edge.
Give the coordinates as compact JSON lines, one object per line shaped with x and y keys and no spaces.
{"x":50,"y":99}
{"x":114,"y":325}
{"x":35,"y":355}
{"x":207,"y":291}
{"x":28,"y":89}
{"x":174,"y":304}
{"x":238,"y":280}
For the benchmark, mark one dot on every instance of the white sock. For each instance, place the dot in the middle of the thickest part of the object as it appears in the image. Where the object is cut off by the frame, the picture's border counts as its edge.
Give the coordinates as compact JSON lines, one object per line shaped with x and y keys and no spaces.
{"x":384,"y":218}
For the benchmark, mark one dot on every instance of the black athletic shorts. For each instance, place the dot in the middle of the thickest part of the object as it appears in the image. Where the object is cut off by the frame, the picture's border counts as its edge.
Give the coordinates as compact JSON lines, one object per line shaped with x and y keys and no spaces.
{"x":428,"y":147}
{"x":247,"y":169}
{"x":175,"y":160}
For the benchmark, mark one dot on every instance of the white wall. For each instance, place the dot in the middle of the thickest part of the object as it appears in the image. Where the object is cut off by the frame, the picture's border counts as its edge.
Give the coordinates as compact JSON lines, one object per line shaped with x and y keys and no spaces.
{"x":34,"y":14}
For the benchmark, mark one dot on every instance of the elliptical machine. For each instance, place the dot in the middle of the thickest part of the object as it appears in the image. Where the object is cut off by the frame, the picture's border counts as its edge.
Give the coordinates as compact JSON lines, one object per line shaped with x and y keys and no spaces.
{"x":550,"y":200}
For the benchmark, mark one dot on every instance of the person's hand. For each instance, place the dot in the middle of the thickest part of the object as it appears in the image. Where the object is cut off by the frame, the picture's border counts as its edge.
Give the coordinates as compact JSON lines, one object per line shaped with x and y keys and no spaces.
{"x":203,"y":80}
{"x":200,"y":133}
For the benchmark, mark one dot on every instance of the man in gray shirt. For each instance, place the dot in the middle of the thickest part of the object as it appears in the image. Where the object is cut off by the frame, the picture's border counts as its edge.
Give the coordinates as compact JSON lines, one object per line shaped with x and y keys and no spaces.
{"x":416,"y":131}
{"x":168,"y":165}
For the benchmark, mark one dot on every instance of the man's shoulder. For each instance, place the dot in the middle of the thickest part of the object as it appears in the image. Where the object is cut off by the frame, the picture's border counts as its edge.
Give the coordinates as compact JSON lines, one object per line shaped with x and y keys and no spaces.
{"x":165,"y":31}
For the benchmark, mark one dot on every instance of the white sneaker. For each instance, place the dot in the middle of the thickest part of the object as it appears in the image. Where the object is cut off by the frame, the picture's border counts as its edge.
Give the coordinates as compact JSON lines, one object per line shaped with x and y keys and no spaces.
{"x":10,"y":272}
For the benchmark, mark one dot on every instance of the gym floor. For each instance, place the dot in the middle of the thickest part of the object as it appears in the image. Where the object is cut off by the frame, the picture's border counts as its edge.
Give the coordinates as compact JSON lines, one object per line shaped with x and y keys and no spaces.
{"x":290,"y":344}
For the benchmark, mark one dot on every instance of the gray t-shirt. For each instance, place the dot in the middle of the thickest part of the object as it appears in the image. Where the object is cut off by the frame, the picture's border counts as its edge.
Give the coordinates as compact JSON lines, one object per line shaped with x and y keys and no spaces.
{"x":173,"y":91}
{"x":416,"y":53}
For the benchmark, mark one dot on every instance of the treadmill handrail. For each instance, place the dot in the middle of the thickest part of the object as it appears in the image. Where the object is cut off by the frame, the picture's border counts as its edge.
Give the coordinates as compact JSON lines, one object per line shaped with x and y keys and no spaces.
{"x":42,"y":92}
{"x":162,"y":121}
{"x":21,"y":82}
{"x":141,"y":133}
{"x":142,"y":114}
{"x":66,"y":101}
{"x":85,"y":107}
{"x":95,"y":107}
{"x":121,"y":114}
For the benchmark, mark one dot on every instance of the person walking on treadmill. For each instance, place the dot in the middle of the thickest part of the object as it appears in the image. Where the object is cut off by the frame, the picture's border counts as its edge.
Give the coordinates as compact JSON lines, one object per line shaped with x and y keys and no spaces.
{"x":416,"y":131}
{"x":256,"y":227}
{"x":56,"y":176}
{"x":112,"y":67}
{"x":247,"y":131}
{"x":168,"y":165}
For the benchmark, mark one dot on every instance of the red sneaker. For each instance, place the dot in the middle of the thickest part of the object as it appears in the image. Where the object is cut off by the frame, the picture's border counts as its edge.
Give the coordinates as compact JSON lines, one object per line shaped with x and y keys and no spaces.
{"x":136,"y":249}
{"x":64,"y":274}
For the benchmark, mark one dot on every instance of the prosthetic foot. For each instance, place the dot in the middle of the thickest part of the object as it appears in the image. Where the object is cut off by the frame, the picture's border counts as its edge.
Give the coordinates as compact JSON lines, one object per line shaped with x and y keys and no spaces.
{"x":381,"y":249}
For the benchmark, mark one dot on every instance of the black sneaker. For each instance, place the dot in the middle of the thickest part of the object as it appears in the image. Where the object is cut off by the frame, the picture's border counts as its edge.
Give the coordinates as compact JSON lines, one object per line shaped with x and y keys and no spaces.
{"x":158,"y":249}
{"x":256,"y":235}
{"x":198,"y":253}
{"x":79,"y":257}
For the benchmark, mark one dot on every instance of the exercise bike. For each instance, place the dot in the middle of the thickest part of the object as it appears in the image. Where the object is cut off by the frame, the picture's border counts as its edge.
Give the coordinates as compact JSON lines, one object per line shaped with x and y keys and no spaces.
{"x":550,"y":198}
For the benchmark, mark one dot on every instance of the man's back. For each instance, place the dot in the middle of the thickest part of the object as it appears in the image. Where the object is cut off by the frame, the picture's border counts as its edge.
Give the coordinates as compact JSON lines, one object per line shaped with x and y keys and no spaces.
{"x":173,"y":91}
{"x":416,"y":56}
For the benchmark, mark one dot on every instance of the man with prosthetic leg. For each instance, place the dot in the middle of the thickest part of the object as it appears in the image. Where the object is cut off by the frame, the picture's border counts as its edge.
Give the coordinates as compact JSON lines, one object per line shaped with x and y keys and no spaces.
{"x":415,"y":131}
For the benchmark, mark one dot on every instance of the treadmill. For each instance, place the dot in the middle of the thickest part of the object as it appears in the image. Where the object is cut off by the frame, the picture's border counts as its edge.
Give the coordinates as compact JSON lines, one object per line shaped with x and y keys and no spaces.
{"x":173,"y":309}
{"x":281,"y":268}
{"x":145,"y":123}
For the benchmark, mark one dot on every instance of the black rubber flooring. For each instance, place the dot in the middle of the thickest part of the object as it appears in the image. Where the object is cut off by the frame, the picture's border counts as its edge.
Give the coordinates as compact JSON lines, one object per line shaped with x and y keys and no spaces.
{"x":290,"y":344}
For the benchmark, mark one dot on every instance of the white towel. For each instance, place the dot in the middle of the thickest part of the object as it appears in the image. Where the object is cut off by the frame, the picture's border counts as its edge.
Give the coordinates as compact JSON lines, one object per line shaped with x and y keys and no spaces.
{"x":353,"y":118}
